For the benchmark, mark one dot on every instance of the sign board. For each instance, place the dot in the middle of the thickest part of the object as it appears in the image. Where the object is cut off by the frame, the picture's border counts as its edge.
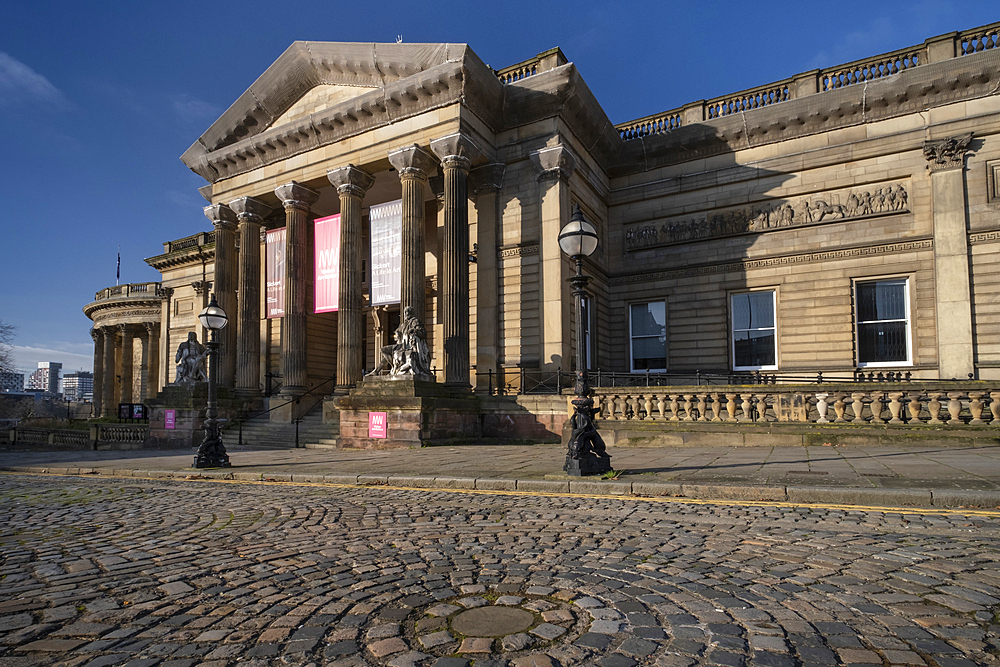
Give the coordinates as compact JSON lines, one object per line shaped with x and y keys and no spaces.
{"x":274,"y":272}
{"x":386,"y":234}
{"x":327,"y":248}
{"x":378,"y":426}
{"x":132,"y":411}
{"x":170,"y":419}
{"x":791,"y":408}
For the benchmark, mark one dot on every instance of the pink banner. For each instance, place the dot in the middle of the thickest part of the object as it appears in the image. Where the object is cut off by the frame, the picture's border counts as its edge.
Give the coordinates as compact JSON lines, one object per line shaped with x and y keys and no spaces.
{"x":327,"y":242}
{"x":274,"y":272}
{"x":377,"y":424}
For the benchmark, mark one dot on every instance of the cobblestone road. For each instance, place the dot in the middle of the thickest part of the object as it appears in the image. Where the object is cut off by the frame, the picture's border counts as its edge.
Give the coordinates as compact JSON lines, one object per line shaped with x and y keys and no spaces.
{"x":99,"y":571}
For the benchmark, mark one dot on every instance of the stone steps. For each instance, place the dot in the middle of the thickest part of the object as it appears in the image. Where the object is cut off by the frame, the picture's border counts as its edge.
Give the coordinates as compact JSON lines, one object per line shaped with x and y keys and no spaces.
{"x":260,"y":432}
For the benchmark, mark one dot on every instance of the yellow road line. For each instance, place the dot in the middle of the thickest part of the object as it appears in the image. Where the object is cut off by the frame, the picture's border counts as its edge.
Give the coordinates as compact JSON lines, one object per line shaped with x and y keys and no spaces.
{"x":929,"y":511}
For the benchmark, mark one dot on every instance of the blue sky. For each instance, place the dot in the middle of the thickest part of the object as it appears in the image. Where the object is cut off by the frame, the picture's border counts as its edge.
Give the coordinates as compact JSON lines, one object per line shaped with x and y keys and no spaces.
{"x":99,"y":99}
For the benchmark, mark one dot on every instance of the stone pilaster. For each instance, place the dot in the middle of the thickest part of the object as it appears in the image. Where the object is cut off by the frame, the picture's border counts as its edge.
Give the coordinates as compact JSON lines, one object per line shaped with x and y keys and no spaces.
{"x":414,"y":165}
{"x":225,"y":287}
{"x":952,"y":292}
{"x":554,"y":166}
{"x":456,"y":152}
{"x":250,"y":212}
{"x":296,"y":200}
{"x":485,"y":182}
{"x":166,"y":294}
{"x":108,"y":408}
{"x":98,"y":401}
{"x":128,"y":352}
{"x":151,"y":359}
{"x":351,"y":183}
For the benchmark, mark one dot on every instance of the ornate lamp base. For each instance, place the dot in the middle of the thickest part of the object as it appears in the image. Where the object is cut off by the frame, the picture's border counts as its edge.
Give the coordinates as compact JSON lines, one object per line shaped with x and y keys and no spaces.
{"x":586,"y":454}
{"x":212,"y":454}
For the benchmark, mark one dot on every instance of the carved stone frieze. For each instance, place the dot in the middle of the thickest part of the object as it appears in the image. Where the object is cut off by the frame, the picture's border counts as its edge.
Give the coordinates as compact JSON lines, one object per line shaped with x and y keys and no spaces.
{"x":873,"y":201}
{"x":944,"y":154}
{"x":518,"y":251}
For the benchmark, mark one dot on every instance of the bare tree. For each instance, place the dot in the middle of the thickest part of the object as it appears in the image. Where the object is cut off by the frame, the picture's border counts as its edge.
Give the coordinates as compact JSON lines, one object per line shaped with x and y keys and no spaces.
{"x":7,"y":332}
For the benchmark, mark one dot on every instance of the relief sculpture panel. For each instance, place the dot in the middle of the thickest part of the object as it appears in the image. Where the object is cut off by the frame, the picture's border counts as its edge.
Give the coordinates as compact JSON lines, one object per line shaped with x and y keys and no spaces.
{"x":857,"y":203}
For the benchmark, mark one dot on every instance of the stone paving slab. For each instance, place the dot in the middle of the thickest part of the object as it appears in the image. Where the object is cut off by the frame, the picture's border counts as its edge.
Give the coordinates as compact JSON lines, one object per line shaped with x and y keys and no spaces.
{"x":878,"y":475}
{"x":100,"y":570}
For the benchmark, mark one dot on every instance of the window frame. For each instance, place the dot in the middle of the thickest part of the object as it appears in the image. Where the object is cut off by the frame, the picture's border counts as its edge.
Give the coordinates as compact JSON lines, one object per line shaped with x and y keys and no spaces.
{"x":907,"y":305}
{"x":631,"y":337}
{"x":773,"y":291}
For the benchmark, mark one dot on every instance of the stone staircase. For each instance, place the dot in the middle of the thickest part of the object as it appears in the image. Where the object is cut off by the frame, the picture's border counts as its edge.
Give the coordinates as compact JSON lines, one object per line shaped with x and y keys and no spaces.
{"x":261,"y":433}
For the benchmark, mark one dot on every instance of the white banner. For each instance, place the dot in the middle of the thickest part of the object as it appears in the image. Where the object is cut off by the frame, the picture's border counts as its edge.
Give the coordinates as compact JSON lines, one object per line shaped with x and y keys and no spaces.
{"x":386,"y":234}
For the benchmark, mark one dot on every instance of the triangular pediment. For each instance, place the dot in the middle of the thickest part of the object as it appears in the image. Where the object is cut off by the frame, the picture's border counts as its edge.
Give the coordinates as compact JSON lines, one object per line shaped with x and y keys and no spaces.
{"x":308,"y":72}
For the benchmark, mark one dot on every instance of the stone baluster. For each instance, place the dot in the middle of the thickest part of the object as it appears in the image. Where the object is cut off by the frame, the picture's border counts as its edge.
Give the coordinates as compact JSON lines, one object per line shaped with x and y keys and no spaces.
{"x":747,"y":406}
{"x":128,"y":352}
{"x":976,"y":407}
{"x":352,"y":183}
{"x":995,"y":407}
{"x":456,"y":152}
{"x":934,"y":407}
{"x":858,"y":407}
{"x":914,"y":407}
{"x":649,"y":408}
{"x":597,"y":406}
{"x":98,"y":400}
{"x":895,"y":407}
{"x":225,"y":284}
{"x":661,"y":406}
{"x":731,"y":407}
{"x":839,"y":407}
{"x":702,"y":405}
{"x":821,"y":408}
{"x":760,"y":400}
{"x":716,"y":407}
{"x":613,"y":407}
{"x":955,"y":407}
{"x":876,"y":408}
{"x":674,"y":403}
{"x":688,"y":417}
{"x":250,"y":213}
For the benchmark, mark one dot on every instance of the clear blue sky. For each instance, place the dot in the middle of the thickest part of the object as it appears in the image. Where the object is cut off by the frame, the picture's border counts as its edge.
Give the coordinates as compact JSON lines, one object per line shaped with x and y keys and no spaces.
{"x":99,"y":99}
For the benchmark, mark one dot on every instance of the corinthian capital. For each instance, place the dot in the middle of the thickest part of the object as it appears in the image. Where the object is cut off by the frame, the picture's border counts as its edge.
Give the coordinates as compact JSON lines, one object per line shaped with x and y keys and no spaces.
{"x":249,"y":208}
{"x":296,"y":195}
{"x":553,"y":162}
{"x":949,"y":153}
{"x":413,"y":160}
{"x":351,"y":180}
{"x":220,"y":215}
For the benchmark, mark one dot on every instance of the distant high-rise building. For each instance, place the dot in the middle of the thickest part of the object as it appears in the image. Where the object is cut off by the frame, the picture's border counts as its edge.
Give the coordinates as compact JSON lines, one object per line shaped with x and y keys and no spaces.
{"x":46,"y":377}
{"x":78,"y":386}
{"x":11,"y":383}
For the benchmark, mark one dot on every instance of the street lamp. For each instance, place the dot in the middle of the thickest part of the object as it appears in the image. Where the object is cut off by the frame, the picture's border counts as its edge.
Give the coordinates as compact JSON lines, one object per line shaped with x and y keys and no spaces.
{"x":586,"y":454}
{"x":212,"y":453}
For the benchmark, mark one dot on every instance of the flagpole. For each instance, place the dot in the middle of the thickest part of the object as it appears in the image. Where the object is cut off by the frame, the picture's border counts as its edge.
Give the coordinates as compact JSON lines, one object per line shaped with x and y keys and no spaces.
{"x":118,"y":271}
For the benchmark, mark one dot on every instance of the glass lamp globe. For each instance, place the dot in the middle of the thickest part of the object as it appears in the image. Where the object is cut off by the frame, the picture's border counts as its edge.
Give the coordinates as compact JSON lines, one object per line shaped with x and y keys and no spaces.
{"x":213,"y":317}
{"x":578,"y":238}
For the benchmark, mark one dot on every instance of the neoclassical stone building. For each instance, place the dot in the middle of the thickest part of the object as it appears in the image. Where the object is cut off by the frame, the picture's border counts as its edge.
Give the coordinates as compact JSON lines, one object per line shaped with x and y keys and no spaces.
{"x":839,"y":219}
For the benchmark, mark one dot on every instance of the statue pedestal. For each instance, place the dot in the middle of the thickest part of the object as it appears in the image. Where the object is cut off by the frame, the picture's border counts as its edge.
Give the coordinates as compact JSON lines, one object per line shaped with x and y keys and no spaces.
{"x":418,"y":413}
{"x":188,"y":405}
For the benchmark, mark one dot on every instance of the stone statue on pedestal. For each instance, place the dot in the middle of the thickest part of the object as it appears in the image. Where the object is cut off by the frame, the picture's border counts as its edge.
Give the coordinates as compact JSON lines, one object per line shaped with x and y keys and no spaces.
{"x":409,"y":354}
{"x":190,"y":359}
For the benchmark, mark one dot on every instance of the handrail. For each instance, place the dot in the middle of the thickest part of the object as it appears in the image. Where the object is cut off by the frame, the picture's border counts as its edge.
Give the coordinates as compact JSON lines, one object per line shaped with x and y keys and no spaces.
{"x":244,"y":418}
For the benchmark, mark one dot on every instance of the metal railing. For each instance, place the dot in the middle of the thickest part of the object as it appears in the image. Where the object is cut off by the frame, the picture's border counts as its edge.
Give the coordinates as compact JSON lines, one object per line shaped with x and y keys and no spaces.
{"x":244,"y":417}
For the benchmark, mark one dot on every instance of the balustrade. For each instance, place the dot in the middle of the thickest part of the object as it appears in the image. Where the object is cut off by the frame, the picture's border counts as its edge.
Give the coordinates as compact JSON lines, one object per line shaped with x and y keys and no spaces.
{"x":752,"y":99}
{"x":870,"y":69}
{"x":863,"y":406}
{"x":980,"y":39}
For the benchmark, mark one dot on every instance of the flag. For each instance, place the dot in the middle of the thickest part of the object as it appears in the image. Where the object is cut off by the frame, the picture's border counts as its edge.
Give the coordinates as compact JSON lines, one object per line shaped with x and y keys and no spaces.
{"x":118,"y":271}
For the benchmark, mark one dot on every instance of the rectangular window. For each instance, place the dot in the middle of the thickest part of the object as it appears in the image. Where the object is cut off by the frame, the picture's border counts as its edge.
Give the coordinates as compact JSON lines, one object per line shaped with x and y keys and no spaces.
{"x":648,"y":331}
{"x":754,"y":333}
{"x":883,"y":317}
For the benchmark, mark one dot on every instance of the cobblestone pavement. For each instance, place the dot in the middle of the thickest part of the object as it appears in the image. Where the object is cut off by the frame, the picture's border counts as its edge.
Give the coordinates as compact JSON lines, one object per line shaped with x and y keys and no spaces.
{"x":105,"y":571}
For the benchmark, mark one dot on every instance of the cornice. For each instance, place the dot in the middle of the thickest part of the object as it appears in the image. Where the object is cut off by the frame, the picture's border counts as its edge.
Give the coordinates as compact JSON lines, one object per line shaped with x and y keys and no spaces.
{"x":194,"y":255}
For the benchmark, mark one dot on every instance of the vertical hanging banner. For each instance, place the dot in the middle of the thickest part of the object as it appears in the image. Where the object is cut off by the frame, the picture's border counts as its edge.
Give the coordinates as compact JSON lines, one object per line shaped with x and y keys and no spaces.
{"x":274,"y":273}
{"x":386,"y":234}
{"x":327,"y":244}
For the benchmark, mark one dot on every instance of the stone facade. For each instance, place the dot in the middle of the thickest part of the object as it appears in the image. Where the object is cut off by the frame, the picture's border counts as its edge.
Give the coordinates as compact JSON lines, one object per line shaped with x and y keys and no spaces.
{"x":842,"y":218}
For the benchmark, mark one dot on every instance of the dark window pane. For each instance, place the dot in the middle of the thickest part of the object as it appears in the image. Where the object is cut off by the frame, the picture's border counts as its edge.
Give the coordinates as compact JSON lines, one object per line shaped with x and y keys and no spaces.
{"x":754,"y":348}
{"x":753,"y":311}
{"x":882,"y":341}
{"x":741,"y":312}
{"x":649,"y":319}
{"x":882,"y":300}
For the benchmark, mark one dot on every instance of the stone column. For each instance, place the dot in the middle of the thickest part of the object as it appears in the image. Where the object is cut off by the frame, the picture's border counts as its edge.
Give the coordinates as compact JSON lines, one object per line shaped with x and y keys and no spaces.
{"x":351,"y":183}
{"x":952,"y":292}
{"x":151,"y":355}
{"x":456,"y":152}
{"x":98,"y":403}
{"x":554,"y":166}
{"x":225,"y":287}
{"x":296,"y":200}
{"x":108,"y":408}
{"x":486,"y":182}
{"x":414,"y":165}
{"x":250,"y":212}
{"x":127,"y":367}
{"x":164,"y":359}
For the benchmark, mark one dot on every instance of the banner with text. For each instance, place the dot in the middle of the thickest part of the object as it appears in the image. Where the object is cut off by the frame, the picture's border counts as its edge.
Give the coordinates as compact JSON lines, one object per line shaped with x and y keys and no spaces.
{"x":274,"y":273}
{"x":327,"y":243}
{"x":386,"y":233}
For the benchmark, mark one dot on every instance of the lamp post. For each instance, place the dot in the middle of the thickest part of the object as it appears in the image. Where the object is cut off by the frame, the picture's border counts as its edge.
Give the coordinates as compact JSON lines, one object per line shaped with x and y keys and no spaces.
{"x":586,"y":454}
{"x":212,"y":453}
